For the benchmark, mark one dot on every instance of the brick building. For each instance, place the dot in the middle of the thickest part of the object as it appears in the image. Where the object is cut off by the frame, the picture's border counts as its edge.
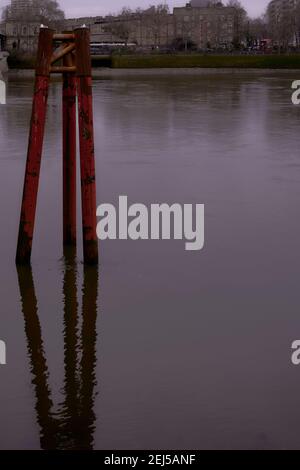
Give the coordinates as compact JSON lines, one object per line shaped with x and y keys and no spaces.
{"x":19,"y":36}
{"x":205,"y":26}
{"x":201,"y":23}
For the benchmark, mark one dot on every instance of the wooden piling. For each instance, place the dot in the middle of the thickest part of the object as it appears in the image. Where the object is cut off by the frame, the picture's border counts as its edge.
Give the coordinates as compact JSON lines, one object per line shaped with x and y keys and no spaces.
{"x":86,"y":139}
{"x":35,"y":145}
{"x":74,"y":51}
{"x":69,"y":155}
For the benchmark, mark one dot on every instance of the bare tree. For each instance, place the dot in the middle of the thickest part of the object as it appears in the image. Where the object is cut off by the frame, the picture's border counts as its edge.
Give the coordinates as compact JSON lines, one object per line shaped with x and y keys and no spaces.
{"x":297,"y":24}
{"x":185,"y":34}
{"x":155,"y":20}
{"x":48,"y":11}
{"x":257,"y":30}
{"x":240,"y":21}
{"x":121,"y":25}
{"x":42,"y":11}
{"x":282,"y":26}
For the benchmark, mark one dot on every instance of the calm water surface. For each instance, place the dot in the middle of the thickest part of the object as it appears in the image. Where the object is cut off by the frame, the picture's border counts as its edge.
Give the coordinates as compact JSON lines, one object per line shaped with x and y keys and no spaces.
{"x":160,"y":348}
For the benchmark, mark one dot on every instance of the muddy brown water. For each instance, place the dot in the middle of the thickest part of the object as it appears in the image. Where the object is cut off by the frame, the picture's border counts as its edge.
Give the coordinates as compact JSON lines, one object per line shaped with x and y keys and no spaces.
{"x":159,"y":348}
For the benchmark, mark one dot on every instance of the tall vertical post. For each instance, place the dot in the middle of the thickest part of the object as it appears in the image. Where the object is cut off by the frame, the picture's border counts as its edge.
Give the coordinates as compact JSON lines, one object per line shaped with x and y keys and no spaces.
{"x":86,"y":139}
{"x":35,"y":146}
{"x":69,"y":154}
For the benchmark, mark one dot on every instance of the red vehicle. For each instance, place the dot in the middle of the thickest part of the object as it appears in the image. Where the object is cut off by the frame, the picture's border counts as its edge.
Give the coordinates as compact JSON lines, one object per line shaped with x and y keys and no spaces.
{"x":266,"y":46}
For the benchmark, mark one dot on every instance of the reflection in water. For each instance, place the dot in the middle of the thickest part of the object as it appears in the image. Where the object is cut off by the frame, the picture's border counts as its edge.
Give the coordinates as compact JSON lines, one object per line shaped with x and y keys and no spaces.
{"x":72,"y":427}
{"x":38,"y":363}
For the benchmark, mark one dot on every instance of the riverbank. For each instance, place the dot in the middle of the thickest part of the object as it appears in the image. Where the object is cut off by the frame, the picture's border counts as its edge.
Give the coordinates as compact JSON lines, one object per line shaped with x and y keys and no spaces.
{"x":152,"y":61}
{"x":110,"y":73}
{"x":207,"y":61}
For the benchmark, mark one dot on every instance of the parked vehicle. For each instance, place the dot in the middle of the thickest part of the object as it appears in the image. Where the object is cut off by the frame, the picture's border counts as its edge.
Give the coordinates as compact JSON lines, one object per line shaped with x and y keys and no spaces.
{"x":103,"y":48}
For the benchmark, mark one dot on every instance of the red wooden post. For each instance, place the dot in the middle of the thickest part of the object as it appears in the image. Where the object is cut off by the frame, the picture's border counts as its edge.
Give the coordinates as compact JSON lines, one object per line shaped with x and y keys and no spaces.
{"x":82,"y":82}
{"x":69,"y":154}
{"x":35,"y":145}
{"x":86,"y":139}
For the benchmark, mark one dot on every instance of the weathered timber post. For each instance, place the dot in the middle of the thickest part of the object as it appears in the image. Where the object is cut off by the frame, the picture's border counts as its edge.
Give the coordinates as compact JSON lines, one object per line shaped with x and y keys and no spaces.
{"x":74,"y":52}
{"x":69,"y":153}
{"x":86,"y":139}
{"x":35,"y":146}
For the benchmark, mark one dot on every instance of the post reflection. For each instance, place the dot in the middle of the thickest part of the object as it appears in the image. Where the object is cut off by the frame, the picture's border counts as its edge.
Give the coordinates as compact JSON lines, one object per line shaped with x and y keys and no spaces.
{"x":72,"y":424}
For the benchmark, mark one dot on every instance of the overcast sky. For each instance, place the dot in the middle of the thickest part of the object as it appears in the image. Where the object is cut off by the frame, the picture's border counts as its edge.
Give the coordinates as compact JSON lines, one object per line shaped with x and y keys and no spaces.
{"x":75,"y":8}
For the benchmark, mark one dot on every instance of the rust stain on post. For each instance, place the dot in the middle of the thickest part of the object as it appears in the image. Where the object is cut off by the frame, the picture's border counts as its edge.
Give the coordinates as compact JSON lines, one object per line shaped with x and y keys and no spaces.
{"x":33,"y":164}
{"x":69,"y":155}
{"x":86,"y":139}
{"x":82,"y":84}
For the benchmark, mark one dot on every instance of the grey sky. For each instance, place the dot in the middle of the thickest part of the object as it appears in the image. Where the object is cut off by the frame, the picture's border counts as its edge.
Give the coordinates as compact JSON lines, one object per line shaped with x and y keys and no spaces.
{"x":75,"y":8}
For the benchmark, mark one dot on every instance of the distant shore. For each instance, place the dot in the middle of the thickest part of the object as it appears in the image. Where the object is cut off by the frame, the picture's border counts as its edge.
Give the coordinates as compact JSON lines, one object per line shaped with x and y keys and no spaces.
{"x":152,"y":61}
{"x":167,"y":73}
{"x":207,"y":61}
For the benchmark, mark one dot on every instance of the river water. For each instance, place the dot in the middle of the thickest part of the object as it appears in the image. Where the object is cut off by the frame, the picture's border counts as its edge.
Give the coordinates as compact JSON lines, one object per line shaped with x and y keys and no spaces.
{"x":160,"y":348}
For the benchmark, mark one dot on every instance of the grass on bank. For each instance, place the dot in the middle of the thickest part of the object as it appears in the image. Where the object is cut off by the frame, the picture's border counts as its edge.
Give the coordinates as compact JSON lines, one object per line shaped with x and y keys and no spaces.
{"x":207,"y":61}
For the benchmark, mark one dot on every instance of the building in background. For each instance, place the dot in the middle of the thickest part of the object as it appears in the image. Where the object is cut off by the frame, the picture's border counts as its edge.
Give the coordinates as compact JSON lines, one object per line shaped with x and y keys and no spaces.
{"x":19,"y":7}
{"x":205,"y":26}
{"x":19,"y":34}
{"x":21,"y":37}
{"x":203,"y":3}
{"x":200,"y":24}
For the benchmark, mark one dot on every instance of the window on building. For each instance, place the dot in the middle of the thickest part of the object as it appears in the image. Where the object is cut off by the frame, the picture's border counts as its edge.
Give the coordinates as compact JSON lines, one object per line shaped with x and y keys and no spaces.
{"x":24,"y":30}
